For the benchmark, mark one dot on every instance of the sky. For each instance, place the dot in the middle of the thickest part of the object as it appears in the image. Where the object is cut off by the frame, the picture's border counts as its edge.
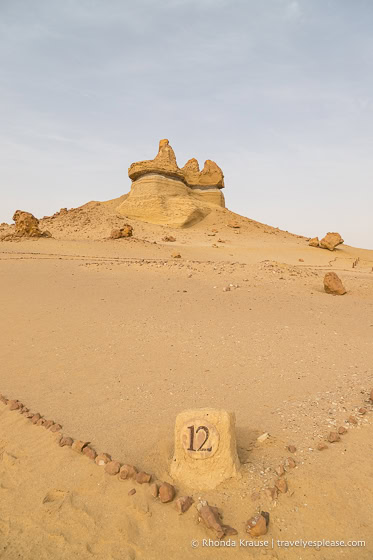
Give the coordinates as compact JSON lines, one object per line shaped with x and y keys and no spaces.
{"x":277,"y":92}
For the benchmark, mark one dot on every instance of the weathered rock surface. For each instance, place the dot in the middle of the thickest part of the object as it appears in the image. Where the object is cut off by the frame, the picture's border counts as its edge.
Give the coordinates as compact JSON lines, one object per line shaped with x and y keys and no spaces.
{"x":333,"y":284}
{"x":162,"y":193}
{"x":331,"y":241}
{"x":125,"y":231}
{"x":26,"y":225}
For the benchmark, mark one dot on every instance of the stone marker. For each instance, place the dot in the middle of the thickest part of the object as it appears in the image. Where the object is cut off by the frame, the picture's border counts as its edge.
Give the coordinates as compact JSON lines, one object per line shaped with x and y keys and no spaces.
{"x":205,"y":448}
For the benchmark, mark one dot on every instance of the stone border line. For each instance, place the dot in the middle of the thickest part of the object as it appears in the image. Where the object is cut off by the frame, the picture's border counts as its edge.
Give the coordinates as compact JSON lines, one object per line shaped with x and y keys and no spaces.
{"x":256,"y":526}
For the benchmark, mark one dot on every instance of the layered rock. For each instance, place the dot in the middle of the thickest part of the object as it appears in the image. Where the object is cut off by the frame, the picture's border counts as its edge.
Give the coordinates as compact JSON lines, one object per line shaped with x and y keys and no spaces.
{"x":162,"y":193}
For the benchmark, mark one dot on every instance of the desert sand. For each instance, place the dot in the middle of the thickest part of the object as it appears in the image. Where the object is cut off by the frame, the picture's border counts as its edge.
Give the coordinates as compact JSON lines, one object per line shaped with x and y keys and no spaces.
{"x":113,"y":338}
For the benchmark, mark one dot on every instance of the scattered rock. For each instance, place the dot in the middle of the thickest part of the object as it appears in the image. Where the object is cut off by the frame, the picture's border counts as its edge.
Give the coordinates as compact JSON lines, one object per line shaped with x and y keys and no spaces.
{"x":226,"y":289}
{"x":281,"y":485}
{"x":55,"y":427}
{"x":331,"y":241}
{"x":113,"y":467}
{"x":40,"y":422}
{"x":14,"y":405}
{"x":176,"y":255}
{"x":132,"y":492}
{"x":321,"y":446}
{"x":169,"y":238}
{"x":66,"y":441}
{"x":271,"y":493}
{"x":291,"y":448}
{"x":280,"y":470}
{"x":233,"y":225}
{"x":78,"y":445}
{"x":166,"y":492}
{"x":290,"y":463}
{"x":143,"y":477}
{"x":35,"y":418}
{"x":352,"y":420}
{"x":183,"y":504}
{"x":342,"y":430}
{"x":362,"y":410}
{"x":89,"y":452}
{"x":257,"y":526}
{"x":333,"y":437}
{"x":333,"y":284}
{"x":154,"y":490}
{"x":48,"y":424}
{"x":103,"y":459}
{"x":127,"y":471}
{"x":314,"y":242}
{"x":263,"y":437}
{"x":124,"y":231}
{"x":211,"y":518}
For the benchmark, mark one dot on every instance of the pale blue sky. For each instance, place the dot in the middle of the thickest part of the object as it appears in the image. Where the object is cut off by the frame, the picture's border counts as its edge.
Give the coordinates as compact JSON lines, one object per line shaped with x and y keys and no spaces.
{"x":277,"y":92}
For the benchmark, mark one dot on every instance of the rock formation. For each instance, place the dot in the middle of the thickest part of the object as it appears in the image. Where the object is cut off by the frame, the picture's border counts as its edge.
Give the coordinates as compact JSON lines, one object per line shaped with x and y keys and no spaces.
{"x":26,"y":225}
{"x":162,"y":193}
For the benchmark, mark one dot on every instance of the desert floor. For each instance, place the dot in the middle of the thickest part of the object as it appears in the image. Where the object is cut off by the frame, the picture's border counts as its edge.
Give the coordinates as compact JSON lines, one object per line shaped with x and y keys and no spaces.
{"x":113,"y":338}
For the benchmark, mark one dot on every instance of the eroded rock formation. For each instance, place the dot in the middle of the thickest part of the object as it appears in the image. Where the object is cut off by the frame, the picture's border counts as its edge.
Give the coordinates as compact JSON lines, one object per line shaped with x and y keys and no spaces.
{"x":163,"y":193}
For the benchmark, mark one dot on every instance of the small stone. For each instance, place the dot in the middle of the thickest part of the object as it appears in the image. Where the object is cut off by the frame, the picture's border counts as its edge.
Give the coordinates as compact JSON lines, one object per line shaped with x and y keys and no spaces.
{"x":211,"y":518}
{"x":143,"y":477}
{"x":321,"y":446}
{"x":103,"y":459}
{"x":263,"y":437}
{"x":48,"y":424}
{"x":14,"y":405}
{"x":333,"y":437}
{"x":255,"y":496}
{"x":78,"y":445}
{"x":271,"y":493}
{"x":362,"y":410}
{"x":154,"y":490}
{"x":132,"y":492}
{"x":166,"y":492}
{"x":41,"y":422}
{"x":352,"y":420}
{"x":291,"y":448}
{"x":280,"y":470}
{"x":183,"y":504}
{"x":89,"y":452}
{"x":29,"y":414}
{"x":256,"y":526}
{"x":55,"y":427}
{"x":301,"y":260}
{"x":113,"y":467}
{"x":290,"y":463}
{"x":342,"y":430}
{"x":176,"y":255}
{"x":127,"y":471}
{"x":226,"y":289}
{"x":281,"y":485}
{"x":66,"y":441}
{"x":35,"y":418}
{"x":233,"y":225}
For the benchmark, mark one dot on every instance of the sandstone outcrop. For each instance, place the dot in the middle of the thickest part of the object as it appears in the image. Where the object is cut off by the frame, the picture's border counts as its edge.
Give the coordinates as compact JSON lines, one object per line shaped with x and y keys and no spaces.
{"x":331,"y":241}
{"x":163,"y":193}
{"x":26,"y":225}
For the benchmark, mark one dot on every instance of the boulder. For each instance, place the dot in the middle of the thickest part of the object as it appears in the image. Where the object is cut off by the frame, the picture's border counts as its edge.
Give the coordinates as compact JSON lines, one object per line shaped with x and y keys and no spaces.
{"x":333,"y":284}
{"x":331,"y":241}
{"x":314,"y":242}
